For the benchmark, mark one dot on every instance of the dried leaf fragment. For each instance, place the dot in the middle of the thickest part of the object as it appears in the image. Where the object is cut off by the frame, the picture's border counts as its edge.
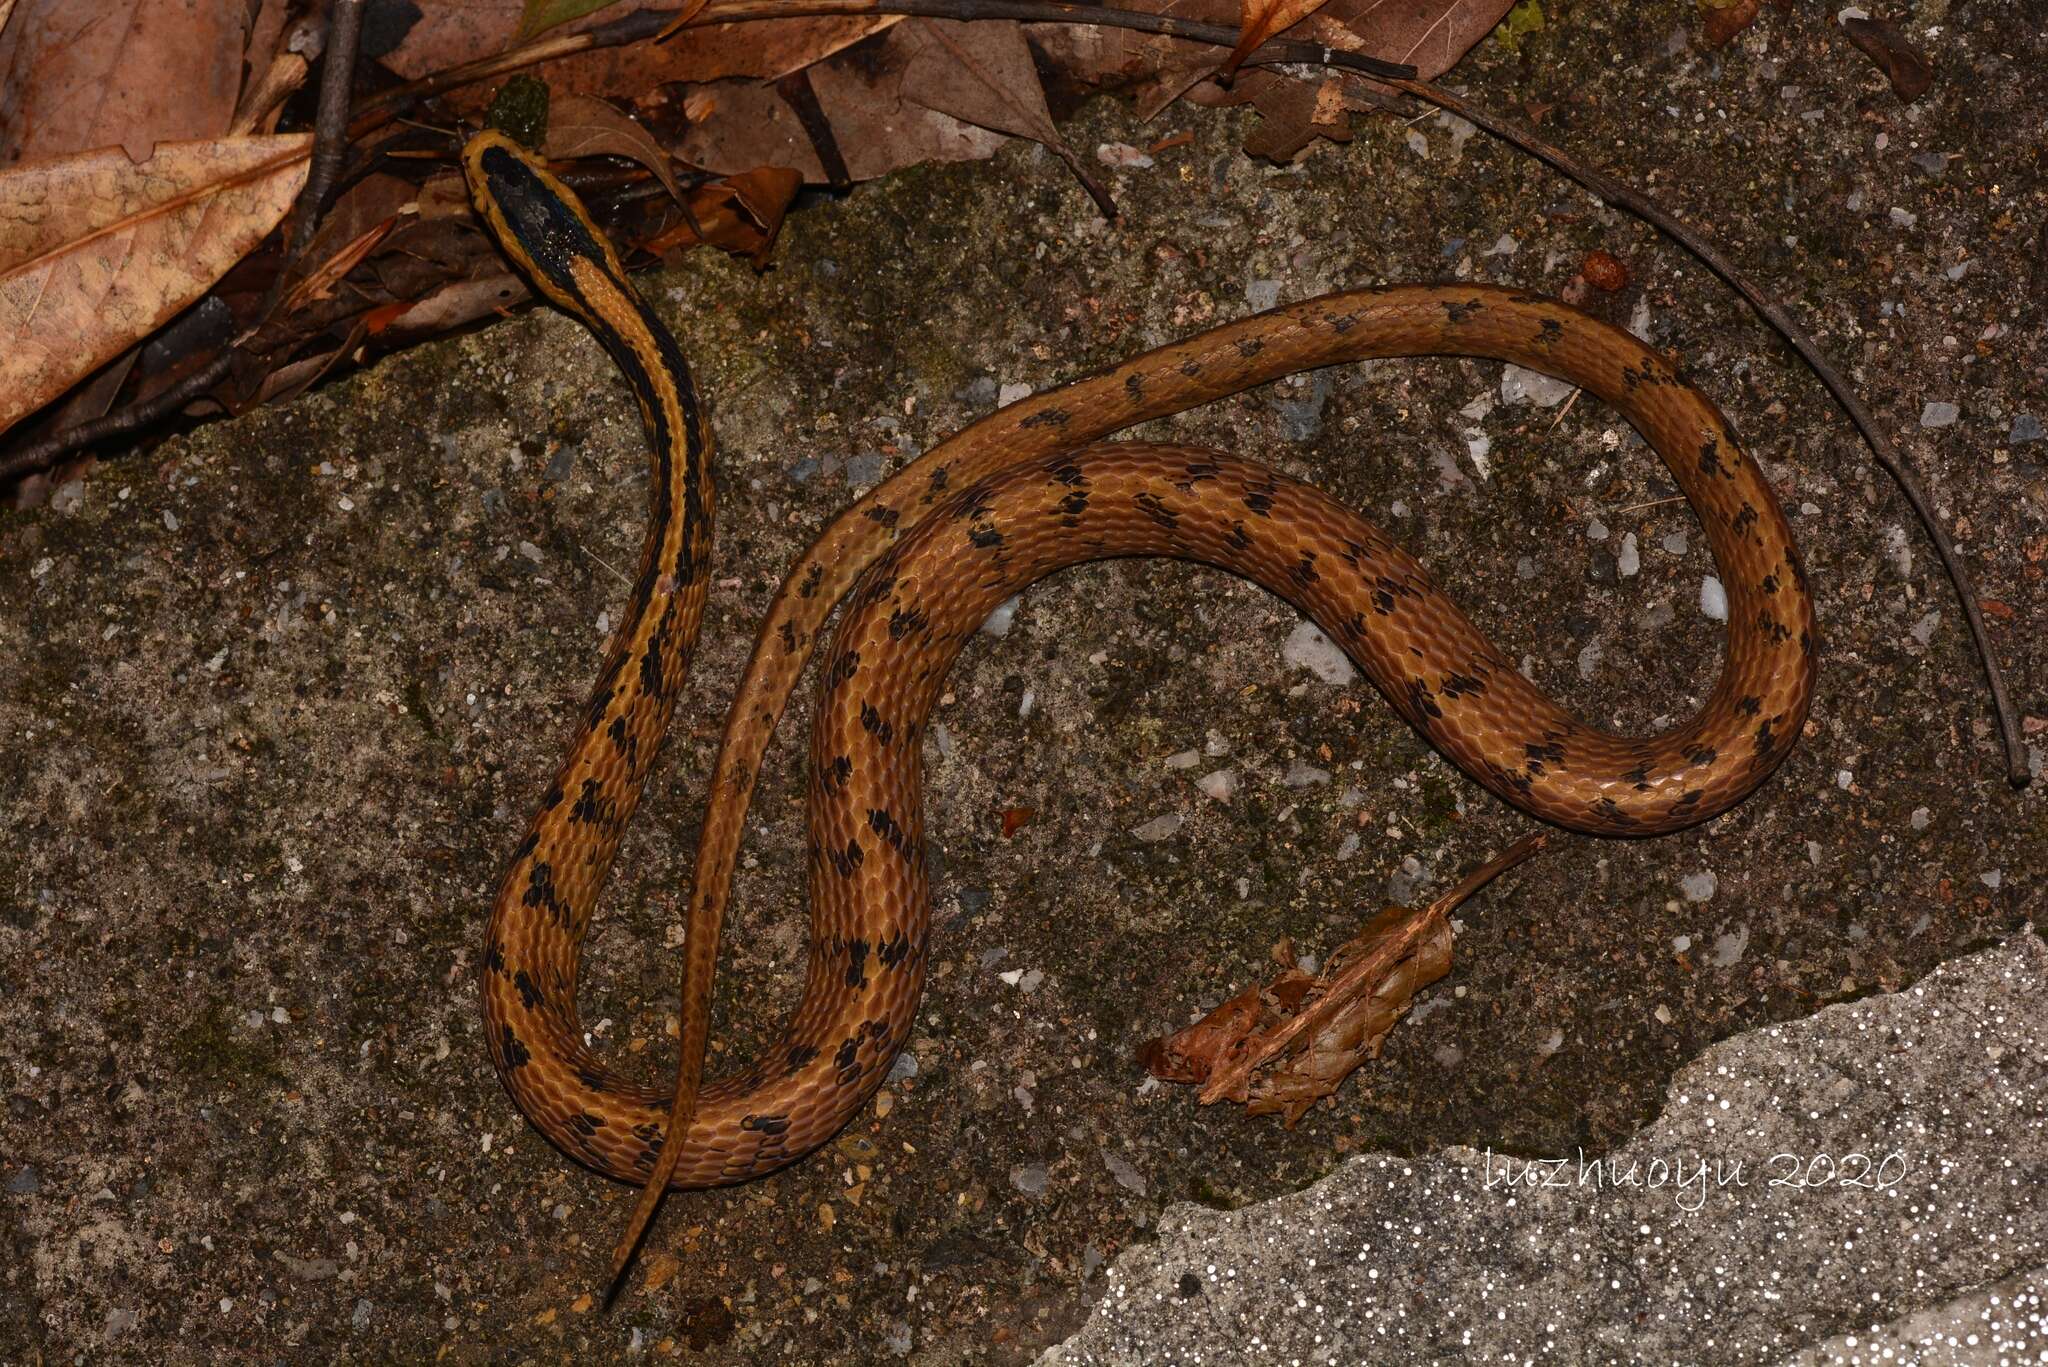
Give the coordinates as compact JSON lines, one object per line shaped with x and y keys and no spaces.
{"x":1910,"y":73}
{"x":97,"y":252}
{"x":1726,"y":18}
{"x":1320,"y":1028}
{"x":741,"y":213}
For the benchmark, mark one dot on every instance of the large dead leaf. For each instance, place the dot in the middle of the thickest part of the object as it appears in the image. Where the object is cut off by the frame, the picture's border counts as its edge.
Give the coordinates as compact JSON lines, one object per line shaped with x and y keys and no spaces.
{"x":96,"y":253}
{"x":983,"y":74}
{"x":736,"y":126}
{"x":580,"y":126}
{"x":133,"y":72}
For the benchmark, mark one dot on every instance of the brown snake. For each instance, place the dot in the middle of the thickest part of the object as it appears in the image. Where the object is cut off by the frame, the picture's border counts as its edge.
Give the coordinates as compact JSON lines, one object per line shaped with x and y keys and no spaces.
{"x":928,"y":554}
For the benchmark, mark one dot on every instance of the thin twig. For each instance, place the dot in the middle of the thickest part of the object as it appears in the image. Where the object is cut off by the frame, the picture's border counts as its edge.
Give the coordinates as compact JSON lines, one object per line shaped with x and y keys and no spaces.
{"x":330,"y":142}
{"x":31,"y":460}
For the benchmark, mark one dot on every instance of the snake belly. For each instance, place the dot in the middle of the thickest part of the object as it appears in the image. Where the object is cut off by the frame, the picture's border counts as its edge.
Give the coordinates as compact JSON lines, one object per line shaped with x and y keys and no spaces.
{"x":1018,"y":495}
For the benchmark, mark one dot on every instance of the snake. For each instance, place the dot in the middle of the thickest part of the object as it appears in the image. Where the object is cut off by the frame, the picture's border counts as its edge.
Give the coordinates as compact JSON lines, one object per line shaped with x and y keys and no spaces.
{"x":920,"y":562}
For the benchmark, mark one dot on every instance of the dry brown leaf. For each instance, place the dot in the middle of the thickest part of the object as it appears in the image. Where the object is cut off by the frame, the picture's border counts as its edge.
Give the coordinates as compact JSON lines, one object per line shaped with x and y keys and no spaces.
{"x":581,"y":126}
{"x":1317,"y":1029}
{"x":983,"y":74}
{"x":1259,"y":20}
{"x":1910,"y":73}
{"x":741,"y":214}
{"x":1726,"y":18}
{"x":451,"y":306}
{"x":135,"y":72}
{"x":96,"y":253}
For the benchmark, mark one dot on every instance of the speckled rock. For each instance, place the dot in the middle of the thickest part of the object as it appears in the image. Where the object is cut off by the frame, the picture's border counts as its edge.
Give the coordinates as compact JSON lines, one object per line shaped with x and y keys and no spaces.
{"x":1862,"y":1186}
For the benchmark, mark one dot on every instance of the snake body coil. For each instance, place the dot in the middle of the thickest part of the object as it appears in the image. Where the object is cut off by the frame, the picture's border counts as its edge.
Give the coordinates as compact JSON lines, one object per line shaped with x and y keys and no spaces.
{"x":927,"y":555}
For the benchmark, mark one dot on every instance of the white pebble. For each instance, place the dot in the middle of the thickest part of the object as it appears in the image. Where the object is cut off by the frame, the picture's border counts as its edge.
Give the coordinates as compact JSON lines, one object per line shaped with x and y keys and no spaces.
{"x":1159,"y":827}
{"x":1529,"y":386}
{"x":1939,"y":415}
{"x":998,"y":623}
{"x":1699,"y":887}
{"x":1307,"y":648}
{"x":1713,"y":599}
{"x":1628,"y":560}
{"x":1221,"y":785}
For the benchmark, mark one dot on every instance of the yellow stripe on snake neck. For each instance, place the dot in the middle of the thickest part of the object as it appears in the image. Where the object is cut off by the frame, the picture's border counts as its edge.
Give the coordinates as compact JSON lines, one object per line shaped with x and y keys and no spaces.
{"x":926,"y":555}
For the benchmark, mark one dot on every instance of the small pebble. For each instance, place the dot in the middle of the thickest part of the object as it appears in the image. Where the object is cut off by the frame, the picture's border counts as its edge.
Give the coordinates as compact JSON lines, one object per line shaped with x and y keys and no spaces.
{"x":1302,"y":774}
{"x":1923,"y":630}
{"x":1674,"y":543}
{"x":1699,"y":887}
{"x":998,"y":622}
{"x":1307,"y":648}
{"x":1262,"y":294}
{"x":2026,"y":427}
{"x":1159,"y":827}
{"x":1518,"y":385}
{"x":1713,"y":599}
{"x":1921,"y":818}
{"x":1939,"y":415}
{"x":1728,"y":948}
{"x":1902,"y":219}
{"x":1186,"y":759}
{"x":1629,"y":560}
{"x":1127,"y":1177}
{"x":1221,"y":785}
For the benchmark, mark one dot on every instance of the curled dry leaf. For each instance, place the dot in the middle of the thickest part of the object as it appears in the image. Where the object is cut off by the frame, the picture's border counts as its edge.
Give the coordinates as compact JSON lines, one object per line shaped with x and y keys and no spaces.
{"x":96,"y":252}
{"x":1908,"y":71}
{"x":583,"y":126}
{"x":740,"y":213}
{"x":1318,"y":1028}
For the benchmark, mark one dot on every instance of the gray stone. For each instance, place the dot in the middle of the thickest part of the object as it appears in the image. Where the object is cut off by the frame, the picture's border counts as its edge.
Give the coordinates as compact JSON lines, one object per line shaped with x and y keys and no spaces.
{"x":1867,"y":1178}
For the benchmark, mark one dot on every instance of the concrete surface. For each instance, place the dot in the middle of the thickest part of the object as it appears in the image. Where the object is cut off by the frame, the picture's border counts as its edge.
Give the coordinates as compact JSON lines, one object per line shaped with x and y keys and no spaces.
{"x":281,"y":695}
{"x":1861,"y":1186}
